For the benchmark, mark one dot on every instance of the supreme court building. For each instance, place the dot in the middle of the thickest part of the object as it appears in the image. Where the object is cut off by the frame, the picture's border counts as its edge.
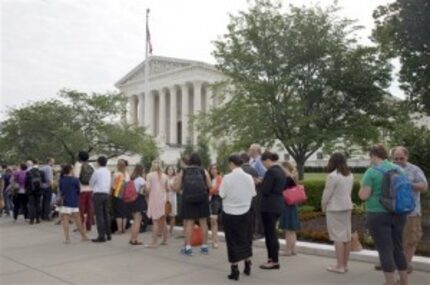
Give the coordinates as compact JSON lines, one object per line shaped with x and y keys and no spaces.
{"x":178,"y":89}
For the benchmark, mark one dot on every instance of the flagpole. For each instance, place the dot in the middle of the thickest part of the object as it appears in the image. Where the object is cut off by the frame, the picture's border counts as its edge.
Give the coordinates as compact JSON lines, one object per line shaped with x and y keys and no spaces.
{"x":146,"y":81}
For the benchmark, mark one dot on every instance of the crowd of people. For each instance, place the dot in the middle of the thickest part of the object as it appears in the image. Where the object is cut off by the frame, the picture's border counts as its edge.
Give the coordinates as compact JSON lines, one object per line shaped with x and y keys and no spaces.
{"x":249,"y":200}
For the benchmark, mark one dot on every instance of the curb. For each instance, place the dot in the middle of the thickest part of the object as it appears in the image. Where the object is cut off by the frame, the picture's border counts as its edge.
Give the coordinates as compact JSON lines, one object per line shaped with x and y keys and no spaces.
{"x":419,"y":263}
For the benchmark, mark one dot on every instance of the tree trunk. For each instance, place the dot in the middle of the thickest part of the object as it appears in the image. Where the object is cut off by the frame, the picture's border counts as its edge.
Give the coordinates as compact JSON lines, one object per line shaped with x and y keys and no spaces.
{"x":300,"y":162}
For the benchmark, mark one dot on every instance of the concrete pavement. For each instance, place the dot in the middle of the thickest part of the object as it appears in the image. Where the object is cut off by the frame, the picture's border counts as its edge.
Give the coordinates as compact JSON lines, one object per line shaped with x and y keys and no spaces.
{"x":36,"y":255}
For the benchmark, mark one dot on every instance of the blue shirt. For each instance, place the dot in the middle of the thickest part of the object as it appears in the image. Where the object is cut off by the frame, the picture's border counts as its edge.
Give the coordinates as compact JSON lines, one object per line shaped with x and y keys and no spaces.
{"x":258,"y":165}
{"x":70,"y":189}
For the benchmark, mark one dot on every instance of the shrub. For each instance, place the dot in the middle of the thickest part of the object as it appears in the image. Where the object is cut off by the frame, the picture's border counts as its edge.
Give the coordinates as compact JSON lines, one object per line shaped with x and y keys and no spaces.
{"x":315,"y":188}
{"x":323,"y":169}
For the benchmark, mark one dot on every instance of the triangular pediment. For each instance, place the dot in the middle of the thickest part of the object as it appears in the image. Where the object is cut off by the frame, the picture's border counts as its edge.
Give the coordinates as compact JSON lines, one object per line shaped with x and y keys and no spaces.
{"x":157,"y":65}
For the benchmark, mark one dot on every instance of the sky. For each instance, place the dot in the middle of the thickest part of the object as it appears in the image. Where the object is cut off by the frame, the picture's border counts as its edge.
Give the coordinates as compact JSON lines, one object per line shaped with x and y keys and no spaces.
{"x":88,"y":45}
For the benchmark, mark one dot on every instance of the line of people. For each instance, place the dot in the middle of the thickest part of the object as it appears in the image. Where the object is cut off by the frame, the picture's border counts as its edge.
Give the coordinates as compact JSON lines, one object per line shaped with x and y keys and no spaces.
{"x":249,"y":200}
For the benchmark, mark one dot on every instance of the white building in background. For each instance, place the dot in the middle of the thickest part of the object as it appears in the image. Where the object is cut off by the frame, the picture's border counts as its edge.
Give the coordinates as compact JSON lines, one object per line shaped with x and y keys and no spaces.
{"x":181,"y":88}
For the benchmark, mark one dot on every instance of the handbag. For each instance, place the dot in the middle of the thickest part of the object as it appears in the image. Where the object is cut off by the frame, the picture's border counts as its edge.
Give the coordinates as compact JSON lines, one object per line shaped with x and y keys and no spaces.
{"x":355,"y":242}
{"x":167,"y":208}
{"x":294,"y":195}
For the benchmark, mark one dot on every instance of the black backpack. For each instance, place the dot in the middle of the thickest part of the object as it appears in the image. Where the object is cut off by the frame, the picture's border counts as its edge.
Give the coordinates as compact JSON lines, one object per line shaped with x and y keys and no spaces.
{"x":195,"y":190}
{"x":35,"y":178}
{"x":86,"y":173}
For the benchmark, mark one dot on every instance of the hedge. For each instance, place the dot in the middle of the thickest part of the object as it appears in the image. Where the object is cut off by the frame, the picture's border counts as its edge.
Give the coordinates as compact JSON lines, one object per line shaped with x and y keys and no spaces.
{"x":323,"y":169}
{"x":314,"y":190}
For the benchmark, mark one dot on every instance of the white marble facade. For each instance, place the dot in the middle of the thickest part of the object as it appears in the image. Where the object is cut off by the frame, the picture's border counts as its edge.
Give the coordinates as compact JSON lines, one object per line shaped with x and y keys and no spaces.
{"x":179,"y":89}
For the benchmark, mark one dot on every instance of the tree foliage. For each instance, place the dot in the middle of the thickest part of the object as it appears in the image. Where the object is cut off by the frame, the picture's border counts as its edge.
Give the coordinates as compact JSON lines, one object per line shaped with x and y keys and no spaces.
{"x":79,"y":122}
{"x":299,"y":77}
{"x":403,"y":30}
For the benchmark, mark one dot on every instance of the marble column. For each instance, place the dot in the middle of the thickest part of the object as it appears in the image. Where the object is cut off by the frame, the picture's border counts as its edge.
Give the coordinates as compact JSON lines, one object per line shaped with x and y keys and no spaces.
{"x":185,"y":113}
{"x":197,"y":106}
{"x":141,"y":110}
{"x":149,"y":113}
{"x":131,"y":110}
{"x":173,"y":116}
{"x":211,"y":100}
{"x":162,"y":114}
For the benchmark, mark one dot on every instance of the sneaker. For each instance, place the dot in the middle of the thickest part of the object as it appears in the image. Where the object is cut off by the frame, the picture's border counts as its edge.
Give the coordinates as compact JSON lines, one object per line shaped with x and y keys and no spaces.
{"x":188,"y":252}
{"x":204,"y":250}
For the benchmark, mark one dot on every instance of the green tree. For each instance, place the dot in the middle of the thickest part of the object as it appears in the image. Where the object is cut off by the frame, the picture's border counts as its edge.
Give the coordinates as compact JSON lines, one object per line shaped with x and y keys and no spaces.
{"x":80,"y":122}
{"x":403,"y":30}
{"x":299,"y":77}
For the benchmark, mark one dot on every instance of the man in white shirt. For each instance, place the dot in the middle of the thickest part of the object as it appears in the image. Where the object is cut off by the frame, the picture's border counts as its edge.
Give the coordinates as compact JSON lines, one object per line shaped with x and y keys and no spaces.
{"x":100,"y":182}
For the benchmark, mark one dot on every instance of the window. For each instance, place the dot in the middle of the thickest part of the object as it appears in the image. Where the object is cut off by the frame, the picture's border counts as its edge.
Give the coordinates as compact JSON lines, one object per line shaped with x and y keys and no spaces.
{"x":320,"y":155}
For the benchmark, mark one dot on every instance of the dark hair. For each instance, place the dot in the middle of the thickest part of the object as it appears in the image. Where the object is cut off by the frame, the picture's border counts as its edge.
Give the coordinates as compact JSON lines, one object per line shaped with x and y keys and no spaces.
{"x":83,"y":156}
{"x":138,"y":171}
{"x":4,"y":166}
{"x":23,"y":166}
{"x":66,"y":169}
{"x":102,"y":161}
{"x":337,"y":162}
{"x":379,"y":150}
{"x":269,"y":155}
{"x":235,"y":159}
{"x":210,"y":168}
{"x":244,"y":157}
{"x":34,"y":161}
{"x":195,"y":159}
{"x":167,"y":170}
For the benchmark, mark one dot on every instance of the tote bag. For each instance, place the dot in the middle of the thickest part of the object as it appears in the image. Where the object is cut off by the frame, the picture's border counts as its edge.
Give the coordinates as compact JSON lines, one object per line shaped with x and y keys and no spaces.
{"x":294,"y":195}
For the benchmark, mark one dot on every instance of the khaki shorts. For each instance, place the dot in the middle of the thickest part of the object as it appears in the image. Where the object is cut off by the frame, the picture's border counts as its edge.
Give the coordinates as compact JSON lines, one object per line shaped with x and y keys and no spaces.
{"x":412,"y":232}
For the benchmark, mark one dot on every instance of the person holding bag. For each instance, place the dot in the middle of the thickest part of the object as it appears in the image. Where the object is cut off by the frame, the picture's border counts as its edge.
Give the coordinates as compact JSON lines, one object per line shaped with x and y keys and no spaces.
{"x":337,"y":204}
{"x":137,"y":206}
{"x":289,"y":220}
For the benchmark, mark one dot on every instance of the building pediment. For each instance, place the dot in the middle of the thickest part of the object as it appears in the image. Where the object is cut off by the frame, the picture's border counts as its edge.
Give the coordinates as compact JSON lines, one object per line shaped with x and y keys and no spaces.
{"x":157,"y":66}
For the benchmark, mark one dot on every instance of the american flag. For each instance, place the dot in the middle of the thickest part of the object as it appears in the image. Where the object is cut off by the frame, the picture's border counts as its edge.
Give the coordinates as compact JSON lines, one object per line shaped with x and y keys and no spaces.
{"x":148,"y":35}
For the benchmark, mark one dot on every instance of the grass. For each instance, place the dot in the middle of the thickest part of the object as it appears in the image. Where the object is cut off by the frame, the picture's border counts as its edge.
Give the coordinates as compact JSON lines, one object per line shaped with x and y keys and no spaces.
{"x":322,"y":176}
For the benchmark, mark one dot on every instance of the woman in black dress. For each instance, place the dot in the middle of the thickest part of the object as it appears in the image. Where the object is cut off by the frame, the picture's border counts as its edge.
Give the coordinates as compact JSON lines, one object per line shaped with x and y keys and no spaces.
{"x":272,"y":205}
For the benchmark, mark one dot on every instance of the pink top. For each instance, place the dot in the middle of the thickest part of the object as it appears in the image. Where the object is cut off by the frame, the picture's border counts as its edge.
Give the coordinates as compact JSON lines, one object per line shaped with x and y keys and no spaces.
{"x":157,"y":194}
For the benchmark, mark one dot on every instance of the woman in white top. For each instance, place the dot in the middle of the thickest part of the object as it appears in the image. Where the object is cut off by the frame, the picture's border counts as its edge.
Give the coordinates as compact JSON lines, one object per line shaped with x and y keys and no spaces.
{"x":138,"y":206}
{"x":237,"y":189}
{"x":171,"y":196}
{"x":336,"y":203}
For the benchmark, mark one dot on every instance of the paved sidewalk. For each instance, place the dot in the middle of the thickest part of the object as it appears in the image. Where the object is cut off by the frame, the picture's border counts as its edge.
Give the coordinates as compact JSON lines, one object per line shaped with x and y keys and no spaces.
{"x":36,"y":254}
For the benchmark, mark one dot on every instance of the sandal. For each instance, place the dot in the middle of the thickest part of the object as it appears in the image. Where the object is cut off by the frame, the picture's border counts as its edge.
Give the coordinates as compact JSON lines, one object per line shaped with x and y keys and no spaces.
{"x":334,"y":269}
{"x":136,"y":242}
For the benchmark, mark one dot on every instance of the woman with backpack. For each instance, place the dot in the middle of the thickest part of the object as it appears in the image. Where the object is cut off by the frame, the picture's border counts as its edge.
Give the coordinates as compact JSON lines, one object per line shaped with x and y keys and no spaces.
{"x":386,"y":228}
{"x":70,"y":188}
{"x":156,"y":187}
{"x":137,"y":206}
{"x":195,"y":183}
{"x":120,"y":178}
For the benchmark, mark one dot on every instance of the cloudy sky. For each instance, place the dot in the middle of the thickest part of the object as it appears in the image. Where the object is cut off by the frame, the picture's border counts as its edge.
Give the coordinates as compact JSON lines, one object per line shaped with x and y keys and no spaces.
{"x":88,"y":45}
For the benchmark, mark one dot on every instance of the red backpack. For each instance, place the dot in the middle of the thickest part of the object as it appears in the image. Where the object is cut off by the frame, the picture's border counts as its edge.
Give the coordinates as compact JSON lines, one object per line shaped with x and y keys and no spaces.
{"x":129,"y":193}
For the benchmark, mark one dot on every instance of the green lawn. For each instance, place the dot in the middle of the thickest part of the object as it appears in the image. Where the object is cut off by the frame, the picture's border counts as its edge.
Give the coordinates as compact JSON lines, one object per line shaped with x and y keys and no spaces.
{"x":322,"y":176}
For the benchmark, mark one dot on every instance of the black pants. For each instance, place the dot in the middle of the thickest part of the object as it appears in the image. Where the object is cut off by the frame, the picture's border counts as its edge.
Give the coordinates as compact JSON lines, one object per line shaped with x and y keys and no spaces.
{"x":34,"y":206}
{"x":386,"y":230}
{"x":20,"y":201}
{"x":272,"y":242}
{"x":102,"y":214}
{"x":257,"y":222}
{"x":46,"y":203}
